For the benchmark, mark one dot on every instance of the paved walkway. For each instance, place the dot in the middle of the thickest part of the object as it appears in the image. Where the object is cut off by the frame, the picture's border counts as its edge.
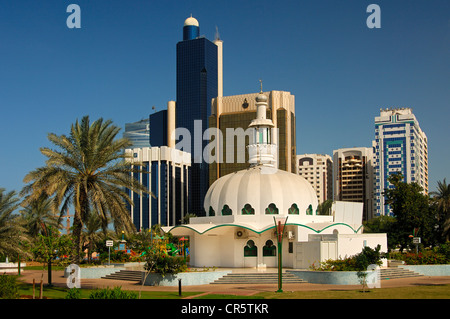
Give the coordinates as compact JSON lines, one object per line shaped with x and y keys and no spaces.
{"x":229,"y":289}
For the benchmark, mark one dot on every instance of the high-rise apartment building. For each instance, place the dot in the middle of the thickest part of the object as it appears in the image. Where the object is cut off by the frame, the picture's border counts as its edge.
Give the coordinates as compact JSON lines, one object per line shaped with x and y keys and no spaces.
{"x":318,"y":170}
{"x":353,"y":177}
{"x":400,"y":146}
{"x":232,"y":115}
{"x":198,"y":80}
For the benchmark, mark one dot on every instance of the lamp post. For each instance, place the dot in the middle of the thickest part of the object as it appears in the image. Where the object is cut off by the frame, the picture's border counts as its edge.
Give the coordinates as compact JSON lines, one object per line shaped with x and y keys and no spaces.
{"x":280,"y":230}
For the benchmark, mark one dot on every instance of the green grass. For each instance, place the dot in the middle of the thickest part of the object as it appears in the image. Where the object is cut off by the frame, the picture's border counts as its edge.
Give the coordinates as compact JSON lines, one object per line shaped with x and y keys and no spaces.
{"x":415,"y":292}
{"x":61,"y":292}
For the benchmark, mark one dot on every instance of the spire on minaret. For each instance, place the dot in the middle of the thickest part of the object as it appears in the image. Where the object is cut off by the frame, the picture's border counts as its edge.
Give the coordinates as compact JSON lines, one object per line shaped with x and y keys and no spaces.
{"x":261,"y":151}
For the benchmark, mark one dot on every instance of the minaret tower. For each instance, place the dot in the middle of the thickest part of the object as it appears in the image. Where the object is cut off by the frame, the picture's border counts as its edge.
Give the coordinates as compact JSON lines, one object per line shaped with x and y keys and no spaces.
{"x":262,"y":151}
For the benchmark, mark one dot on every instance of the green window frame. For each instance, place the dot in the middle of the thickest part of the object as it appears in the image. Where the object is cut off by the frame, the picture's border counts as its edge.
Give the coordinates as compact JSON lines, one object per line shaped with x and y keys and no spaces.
{"x":248,"y":210}
{"x":271,"y":209}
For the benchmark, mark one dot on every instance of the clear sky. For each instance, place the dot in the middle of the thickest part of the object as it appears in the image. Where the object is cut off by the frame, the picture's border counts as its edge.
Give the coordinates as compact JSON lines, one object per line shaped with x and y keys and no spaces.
{"x":122,"y":61}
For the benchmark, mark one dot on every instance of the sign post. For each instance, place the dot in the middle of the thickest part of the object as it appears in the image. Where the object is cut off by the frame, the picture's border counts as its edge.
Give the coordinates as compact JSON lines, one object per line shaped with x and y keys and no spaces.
{"x":109,"y":244}
{"x":417,"y":241}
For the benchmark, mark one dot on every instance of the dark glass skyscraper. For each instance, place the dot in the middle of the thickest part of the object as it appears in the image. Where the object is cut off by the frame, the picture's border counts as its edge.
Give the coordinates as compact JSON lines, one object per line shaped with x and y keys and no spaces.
{"x":197,"y":85}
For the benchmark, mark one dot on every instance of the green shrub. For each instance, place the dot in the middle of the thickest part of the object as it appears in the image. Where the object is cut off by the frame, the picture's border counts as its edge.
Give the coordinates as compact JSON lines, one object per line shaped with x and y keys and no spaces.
{"x":358,"y":262}
{"x":73,"y":293}
{"x":115,"y":293}
{"x":8,"y":287}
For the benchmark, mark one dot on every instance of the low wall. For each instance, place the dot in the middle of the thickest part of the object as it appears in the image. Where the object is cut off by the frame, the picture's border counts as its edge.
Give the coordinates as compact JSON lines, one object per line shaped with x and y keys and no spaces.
{"x":429,"y":270}
{"x":328,"y":277}
{"x":187,"y":278}
{"x":95,"y":272}
{"x":10,"y":267}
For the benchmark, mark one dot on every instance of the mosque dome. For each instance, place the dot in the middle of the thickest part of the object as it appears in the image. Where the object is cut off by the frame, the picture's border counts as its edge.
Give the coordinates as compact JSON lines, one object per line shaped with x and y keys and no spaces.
{"x":191,"y":22}
{"x":254,"y":191}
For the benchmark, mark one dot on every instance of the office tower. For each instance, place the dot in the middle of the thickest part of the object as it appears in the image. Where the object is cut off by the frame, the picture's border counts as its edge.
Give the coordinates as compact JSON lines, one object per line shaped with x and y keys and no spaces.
{"x":197,"y":84}
{"x":158,"y":128}
{"x":231,"y":115}
{"x":138,"y":133}
{"x":166,"y":174}
{"x":353,"y":177}
{"x":400,"y":147}
{"x":318,"y":170}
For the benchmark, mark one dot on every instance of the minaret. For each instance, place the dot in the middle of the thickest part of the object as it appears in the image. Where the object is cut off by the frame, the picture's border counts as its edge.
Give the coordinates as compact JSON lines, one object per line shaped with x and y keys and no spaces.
{"x":262,"y":151}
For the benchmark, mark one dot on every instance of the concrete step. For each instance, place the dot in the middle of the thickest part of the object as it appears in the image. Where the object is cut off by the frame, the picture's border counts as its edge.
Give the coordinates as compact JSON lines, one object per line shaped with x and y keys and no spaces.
{"x":257,"y":278}
{"x":131,"y":275}
{"x":396,"y":272}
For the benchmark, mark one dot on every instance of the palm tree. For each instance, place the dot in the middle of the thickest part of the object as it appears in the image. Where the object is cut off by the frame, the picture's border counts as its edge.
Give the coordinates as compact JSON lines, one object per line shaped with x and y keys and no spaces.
{"x":442,"y":199}
{"x":91,"y":171}
{"x":39,"y":214}
{"x":91,"y":234}
{"x":12,"y":232}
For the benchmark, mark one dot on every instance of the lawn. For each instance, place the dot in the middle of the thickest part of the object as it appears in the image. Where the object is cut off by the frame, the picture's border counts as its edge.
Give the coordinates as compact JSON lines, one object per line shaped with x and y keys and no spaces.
{"x":417,"y":292}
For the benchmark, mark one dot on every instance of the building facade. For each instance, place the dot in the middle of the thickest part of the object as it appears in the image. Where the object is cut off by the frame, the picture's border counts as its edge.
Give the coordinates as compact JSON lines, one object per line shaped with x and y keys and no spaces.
{"x":166,"y":174}
{"x":318,"y":170}
{"x":400,"y":146}
{"x":231,"y":115}
{"x":353,"y":177}
{"x":138,"y":133}
{"x":197,"y":84}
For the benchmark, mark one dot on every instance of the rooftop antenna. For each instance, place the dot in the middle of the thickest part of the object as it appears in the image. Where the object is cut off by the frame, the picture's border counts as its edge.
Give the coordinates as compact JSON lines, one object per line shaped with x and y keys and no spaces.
{"x":217,"y":35}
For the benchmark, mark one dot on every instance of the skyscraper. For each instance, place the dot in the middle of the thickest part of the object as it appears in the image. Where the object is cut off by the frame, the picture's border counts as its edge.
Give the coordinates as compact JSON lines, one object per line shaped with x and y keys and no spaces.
{"x":138,"y":133}
{"x":197,"y":84}
{"x":232,"y":114}
{"x":318,"y":170}
{"x":400,"y":147}
{"x":165,"y":172}
{"x":353,"y":177}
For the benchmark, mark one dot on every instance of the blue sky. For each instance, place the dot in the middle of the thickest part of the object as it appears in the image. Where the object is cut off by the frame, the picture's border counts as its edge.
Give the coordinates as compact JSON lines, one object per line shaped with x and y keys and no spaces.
{"x":122,"y":62}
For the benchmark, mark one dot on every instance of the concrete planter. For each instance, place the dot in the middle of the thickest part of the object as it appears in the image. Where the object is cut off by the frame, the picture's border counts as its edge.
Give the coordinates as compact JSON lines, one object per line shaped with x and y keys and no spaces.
{"x":187,"y":278}
{"x":95,"y":272}
{"x":429,"y":270}
{"x":10,"y":267}
{"x":328,"y":277}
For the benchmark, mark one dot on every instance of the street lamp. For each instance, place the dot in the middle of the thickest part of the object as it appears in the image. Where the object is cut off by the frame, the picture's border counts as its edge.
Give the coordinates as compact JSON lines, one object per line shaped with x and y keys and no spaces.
{"x":279,"y":231}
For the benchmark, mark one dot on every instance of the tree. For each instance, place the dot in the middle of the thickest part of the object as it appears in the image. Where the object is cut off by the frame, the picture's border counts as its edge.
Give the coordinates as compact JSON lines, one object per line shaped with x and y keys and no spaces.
{"x":12,"y":232}
{"x":325,"y":207}
{"x":90,"y":170}
{"x":441,"y":198}
{"x":91,"y":235}
{"x":39,"y":213}
{"x":411,"y":210}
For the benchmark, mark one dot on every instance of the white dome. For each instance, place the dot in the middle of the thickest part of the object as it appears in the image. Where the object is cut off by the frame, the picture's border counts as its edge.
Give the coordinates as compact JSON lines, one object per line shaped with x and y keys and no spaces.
{"x":258,"y":189}
{"x":191,"y":21}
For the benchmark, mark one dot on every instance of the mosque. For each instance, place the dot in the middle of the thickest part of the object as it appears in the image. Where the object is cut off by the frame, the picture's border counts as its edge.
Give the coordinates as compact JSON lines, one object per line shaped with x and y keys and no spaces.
{"x":245,"y":209}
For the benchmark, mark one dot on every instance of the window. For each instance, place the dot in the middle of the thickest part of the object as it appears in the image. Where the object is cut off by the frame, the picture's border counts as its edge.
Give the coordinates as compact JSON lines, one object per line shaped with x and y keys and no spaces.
{"x":269,"y":249}
{"x":226,"y":210}
{"x":309,"y":210}
{"x":248,"y":210}
{"x":250,"y":250}
{"x":211,"y":211}
{"x":272,"y":209}
{"x":293,"y":210}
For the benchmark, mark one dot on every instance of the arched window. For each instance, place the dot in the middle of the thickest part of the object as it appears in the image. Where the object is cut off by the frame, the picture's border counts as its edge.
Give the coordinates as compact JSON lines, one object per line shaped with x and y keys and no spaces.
{"x":272,"y":209}
{"x":309,"y":210}
{"x":211,"y":211}
{"x":248,"y":210}
{"x":293,"y":210}
{"x":250,"y":250}
{"x":226,"y":210}
{"x":269,"y":249}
